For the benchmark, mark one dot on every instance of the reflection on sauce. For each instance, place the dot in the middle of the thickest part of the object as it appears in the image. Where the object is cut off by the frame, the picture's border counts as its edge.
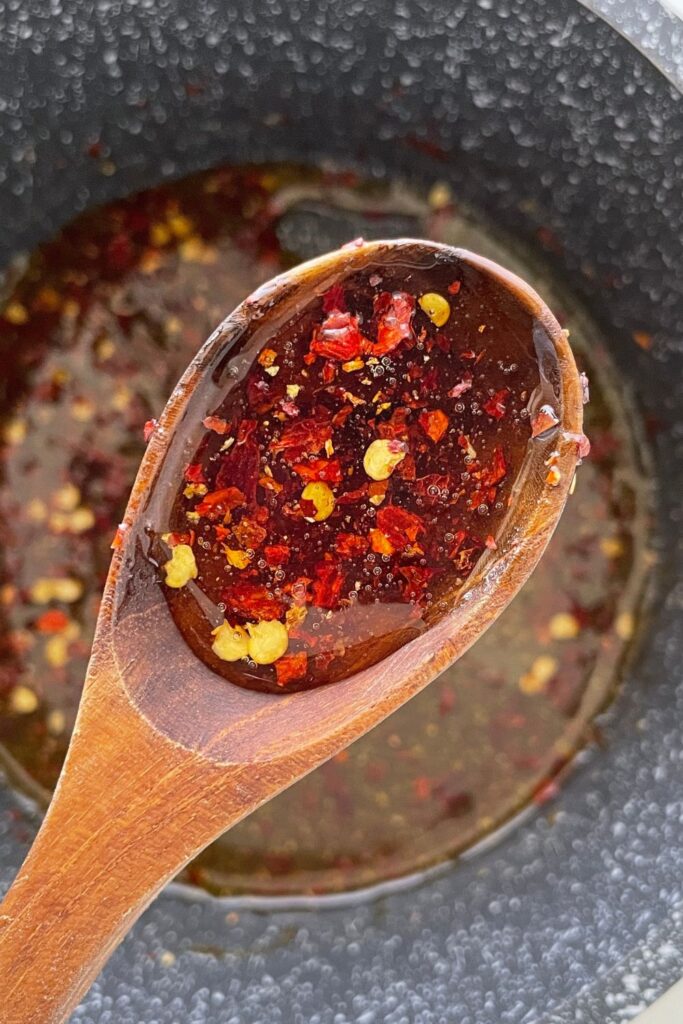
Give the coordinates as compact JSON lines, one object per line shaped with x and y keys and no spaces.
{"x":94,"y":334}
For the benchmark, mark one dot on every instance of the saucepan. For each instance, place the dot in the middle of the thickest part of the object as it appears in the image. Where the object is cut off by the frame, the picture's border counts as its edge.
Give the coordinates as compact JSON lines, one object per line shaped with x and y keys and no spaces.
{"x":539,"y":133}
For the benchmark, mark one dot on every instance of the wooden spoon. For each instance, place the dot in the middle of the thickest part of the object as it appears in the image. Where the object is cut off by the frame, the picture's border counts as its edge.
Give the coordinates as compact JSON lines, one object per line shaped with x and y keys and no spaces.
{"x":165,"y":755}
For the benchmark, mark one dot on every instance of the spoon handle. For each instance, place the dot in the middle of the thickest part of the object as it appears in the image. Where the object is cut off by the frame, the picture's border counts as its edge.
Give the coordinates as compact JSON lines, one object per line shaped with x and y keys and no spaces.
{"x":130,"y":810}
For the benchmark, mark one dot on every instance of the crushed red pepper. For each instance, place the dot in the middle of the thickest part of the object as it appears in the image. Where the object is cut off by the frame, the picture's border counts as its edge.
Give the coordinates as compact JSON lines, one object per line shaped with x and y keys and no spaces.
{"x":370,"y":452}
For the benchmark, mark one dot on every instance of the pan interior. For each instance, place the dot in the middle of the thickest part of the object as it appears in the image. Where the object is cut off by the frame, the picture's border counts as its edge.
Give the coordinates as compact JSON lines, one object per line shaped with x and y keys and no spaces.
{"x":97,"y":326}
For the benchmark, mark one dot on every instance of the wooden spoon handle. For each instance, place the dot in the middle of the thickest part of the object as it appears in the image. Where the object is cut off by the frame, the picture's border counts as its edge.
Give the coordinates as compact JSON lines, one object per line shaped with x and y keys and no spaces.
{"x":125,"y":818}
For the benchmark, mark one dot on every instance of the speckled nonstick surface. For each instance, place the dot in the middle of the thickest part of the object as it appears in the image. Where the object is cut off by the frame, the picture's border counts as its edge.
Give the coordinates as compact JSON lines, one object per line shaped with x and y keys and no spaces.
{"x":577,"y":921}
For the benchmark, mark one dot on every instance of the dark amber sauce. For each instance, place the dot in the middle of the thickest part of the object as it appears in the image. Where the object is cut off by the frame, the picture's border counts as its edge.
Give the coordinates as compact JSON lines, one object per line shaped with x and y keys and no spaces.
{"x":350,"y":481}
{"x":95,"y":329}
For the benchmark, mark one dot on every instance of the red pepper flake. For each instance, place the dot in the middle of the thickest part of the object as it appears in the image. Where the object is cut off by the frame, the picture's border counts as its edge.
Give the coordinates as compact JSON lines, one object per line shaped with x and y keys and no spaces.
{"x":495,"y":406}
{"x":400,"y":526}
{"x":393,"y":313}
{"x":338,"y":337}
{"x":117,"y":542}
{"x":148,"y":429}
{"x":329,"y":372}
{"x":253,"y":600}
{"x":216,"y":424}
{"x":276,"y":554}
{"x":263,"y":395}
{"x":351,"y":545}
{"x":454,"y":287}
{"x":545,"y":792}
{"x":52,"y":621}
{"x":307,"y":508}
{"x":304,"y":437}
{"x":461,"y":387}
{"x":290,"y":667}
{"x":194,"y":474}
{"x":422,"y":787}
{"x":249,"y":534}
{"x":298,"y":590}
{"x":240,"y":466}
{"x":433,"y":488}
{"x":464,"y":551}
{"x":416,"y":581}
{"x":545,"y":418}
{"x":406,"y":469}
{"x":119,"y":253}
{"x":490,"y":543}
{"x":334,"y":299}
{"x":216,"y":504}
{"x":180,"y":537}
{"x":642,"y":339}
{"x":434,"y":422}
{"x":380,"y":543}
{"x":245,"y":430}
{"x":397,"y":426}
{"x":269,"y":483}
{"x":341,"y":416}
{"x":495,"y":472}
{"x":459,"y":539}
{"x":328,"y":586}
{"x":267,"y":357}
{"x":349,"y":497}
{"x":446,"y":701}
{"x":328,"y":470}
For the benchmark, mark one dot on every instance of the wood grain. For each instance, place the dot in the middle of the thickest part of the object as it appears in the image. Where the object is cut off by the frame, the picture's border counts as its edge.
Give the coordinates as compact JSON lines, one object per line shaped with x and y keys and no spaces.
{"x":165,"y":756}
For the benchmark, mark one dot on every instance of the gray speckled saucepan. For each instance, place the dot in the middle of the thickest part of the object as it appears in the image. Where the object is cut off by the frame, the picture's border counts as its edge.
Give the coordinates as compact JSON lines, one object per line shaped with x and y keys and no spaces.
{"x":578,"y":921}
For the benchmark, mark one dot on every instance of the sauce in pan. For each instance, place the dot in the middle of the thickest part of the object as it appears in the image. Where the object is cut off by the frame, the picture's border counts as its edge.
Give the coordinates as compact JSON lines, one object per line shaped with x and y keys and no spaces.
{"x":95,"y":329}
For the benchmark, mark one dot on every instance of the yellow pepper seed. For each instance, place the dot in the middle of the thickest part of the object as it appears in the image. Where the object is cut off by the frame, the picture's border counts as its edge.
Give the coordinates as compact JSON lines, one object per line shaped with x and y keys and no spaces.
{"x":15,"y":431}
{"x":564,"y":626}
{"x":231,"y":643}
{"x":64,"y":589}
{"x":67,"y":498}
{"x":57,"y":651}
{"x":181,"y":567}
{"x":180,"y":225}
{"x":23,"y":700}
{"x":159,"y":234}
{"x":382,"y":457}
{"x":268,"y":641}
{"x":537,"y":678}
{"x":436,"y":308}
{"x":238,"y":559}
{"x":15,"y":313}
{"x":56,"y":722}
{"x":322,"y":499}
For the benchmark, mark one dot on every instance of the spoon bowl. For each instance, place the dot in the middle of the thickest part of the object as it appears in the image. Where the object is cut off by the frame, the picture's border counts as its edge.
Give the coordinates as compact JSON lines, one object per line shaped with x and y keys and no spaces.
{"x":166,"y":755}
